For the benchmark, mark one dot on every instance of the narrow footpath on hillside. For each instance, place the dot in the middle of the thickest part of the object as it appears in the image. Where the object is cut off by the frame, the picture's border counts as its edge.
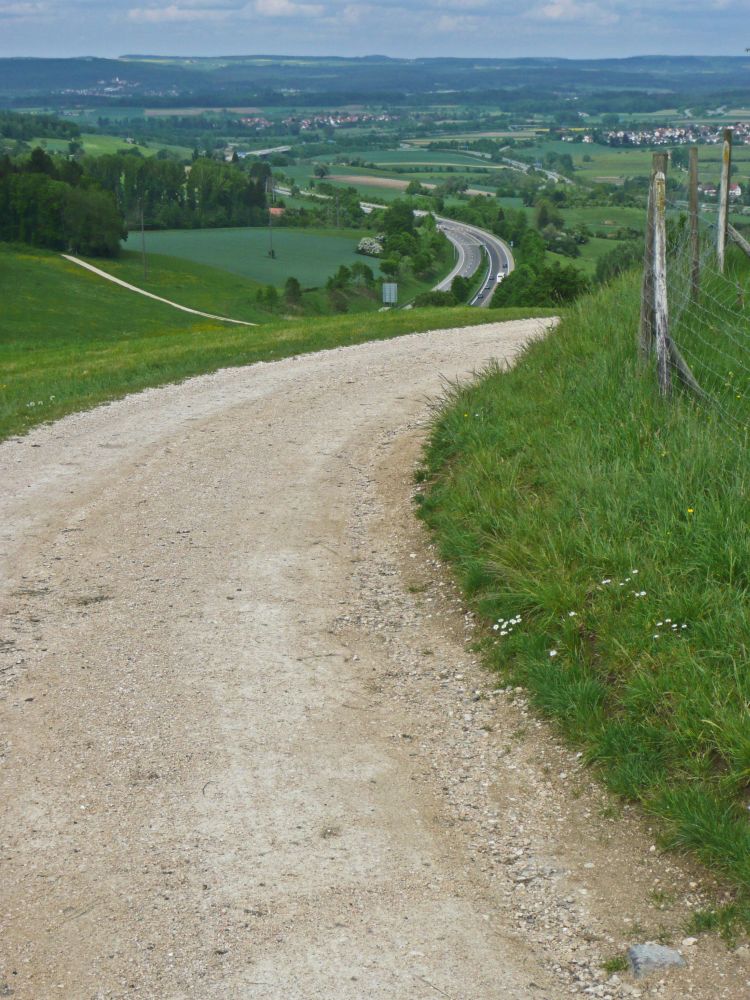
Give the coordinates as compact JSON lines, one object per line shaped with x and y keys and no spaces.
{"x":150,"y":295}
{"x":246,"y":751}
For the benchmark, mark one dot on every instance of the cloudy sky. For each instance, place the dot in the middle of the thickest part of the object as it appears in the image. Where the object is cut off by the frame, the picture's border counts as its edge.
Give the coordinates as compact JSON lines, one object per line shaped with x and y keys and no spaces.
{"x":575,"y":28}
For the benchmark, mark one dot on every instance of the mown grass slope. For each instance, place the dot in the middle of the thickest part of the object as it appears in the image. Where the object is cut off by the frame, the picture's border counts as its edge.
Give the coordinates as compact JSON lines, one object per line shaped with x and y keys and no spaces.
{"x":199,"y":286}
{"x":612,"y":526}
{"x":69,"y":339}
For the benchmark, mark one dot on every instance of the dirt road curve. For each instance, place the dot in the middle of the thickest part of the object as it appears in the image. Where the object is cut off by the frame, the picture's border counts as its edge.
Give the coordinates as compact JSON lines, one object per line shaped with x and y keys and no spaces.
{"x":245,"y":751}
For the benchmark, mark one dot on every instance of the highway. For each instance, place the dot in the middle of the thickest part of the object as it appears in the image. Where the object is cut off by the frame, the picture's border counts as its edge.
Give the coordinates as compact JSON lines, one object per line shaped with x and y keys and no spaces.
{"x":476,"y":248}
{"x":469,"y":252}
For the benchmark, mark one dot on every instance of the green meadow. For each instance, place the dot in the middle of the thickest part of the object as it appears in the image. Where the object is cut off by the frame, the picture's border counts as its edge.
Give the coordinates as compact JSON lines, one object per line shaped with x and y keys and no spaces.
{"x":198,"y":286}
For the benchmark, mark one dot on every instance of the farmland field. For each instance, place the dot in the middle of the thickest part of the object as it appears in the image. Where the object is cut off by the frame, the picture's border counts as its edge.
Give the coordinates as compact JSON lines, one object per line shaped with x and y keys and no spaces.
{"x":310,"y":256}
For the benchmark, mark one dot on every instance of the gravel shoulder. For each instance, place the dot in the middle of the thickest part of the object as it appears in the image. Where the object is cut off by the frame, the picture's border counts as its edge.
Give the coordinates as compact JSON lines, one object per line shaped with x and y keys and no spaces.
{"x":245,"y":749}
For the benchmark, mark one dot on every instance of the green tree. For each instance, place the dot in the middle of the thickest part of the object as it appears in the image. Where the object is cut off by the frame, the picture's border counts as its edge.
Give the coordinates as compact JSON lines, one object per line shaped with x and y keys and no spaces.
{"x":389,"y":266}
{"x":92,"y":224}
{"x":268,"y":297}
{"x":362,"y":274}
{"x":531,"y":250}
{"x":341,"y":278}
{"x":461,"y":287}
{"x":546,"y":214}
{"x":398,"y":218}
{"x":292,"y":292}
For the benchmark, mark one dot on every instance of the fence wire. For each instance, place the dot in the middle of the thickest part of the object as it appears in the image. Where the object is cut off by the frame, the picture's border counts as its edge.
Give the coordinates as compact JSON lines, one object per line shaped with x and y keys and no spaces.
{"x":711,"y":329}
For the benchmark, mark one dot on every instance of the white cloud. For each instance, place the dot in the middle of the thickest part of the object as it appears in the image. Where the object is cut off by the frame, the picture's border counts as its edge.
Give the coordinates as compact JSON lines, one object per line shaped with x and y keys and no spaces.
{"x":22,"y":11}
{"x":173,"y":14}
{"x":287,"y":8}
{"x":461,"y":4}
{"x":354,"y":13}
{"x":572,"y":10}
{"x":450,"y":23}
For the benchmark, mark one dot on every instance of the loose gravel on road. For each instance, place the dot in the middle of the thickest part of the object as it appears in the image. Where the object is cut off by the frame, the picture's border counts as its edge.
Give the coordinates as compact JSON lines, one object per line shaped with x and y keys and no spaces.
{"x":246,"y":751}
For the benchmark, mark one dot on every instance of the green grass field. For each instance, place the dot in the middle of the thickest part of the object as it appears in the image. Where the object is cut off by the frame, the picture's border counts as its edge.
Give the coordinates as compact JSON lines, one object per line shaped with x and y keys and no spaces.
{"x":96,"y":144}
{"x":311,"y":256}
{"x":571,"y":498}
{"x":591,"y":252}
{"x":72,"y":340}
{"x":199,"y":286}
{"x":606,"y":219}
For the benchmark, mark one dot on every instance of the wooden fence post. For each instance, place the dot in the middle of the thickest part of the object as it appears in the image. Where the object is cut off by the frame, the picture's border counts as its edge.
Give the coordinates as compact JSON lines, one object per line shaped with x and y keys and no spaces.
{"x":646,"y":325}
{"x":659,"y":265}
{"x":726,"y":171}
{"x":738,"y":238}
{"x":695,"y":248}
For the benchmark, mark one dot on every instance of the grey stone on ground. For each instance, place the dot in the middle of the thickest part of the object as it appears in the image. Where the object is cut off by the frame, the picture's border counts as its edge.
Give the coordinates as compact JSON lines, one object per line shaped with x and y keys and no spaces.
{"x":649,"y":957}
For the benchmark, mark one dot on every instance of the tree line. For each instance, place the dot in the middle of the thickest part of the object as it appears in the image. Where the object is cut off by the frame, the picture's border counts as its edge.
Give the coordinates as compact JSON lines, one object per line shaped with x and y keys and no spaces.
{"x":48,"y":202}
{"x":27,"y":126}
{"x":204,"y":194}
{"x":87,"y":204}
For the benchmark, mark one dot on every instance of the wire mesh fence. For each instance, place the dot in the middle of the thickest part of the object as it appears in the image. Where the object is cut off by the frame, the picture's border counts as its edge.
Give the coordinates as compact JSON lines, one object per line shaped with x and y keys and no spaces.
{"x":711,"y":328}
{"x":704,"y":303}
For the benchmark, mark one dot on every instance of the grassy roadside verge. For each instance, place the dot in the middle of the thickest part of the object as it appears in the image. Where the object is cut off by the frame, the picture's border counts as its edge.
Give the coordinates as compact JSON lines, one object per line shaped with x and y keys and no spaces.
{"x":70,"y":340}
{"x":566,"y":494}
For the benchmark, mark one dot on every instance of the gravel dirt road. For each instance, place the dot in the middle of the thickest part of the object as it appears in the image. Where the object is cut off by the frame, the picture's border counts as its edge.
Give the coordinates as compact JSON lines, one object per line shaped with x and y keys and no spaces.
{"x":245,"y":751}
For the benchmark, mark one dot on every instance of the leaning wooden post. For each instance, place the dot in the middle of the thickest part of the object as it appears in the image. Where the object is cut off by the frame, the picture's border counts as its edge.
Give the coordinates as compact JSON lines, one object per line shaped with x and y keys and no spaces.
{"x":661,"y":310}
{"x":726,"y":170}
{"x":738,"y":238}
{"x":646,"y":325}
{"x":695,"y":247}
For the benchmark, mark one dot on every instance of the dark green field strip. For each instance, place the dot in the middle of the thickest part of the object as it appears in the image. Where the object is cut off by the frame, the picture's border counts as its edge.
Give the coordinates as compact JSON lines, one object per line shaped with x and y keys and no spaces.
{"x":311,"y":256}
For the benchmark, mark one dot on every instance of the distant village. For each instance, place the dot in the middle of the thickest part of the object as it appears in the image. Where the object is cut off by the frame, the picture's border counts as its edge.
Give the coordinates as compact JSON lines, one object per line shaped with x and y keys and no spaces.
{"x":675,"y":135}
{"x":327,"y":120}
